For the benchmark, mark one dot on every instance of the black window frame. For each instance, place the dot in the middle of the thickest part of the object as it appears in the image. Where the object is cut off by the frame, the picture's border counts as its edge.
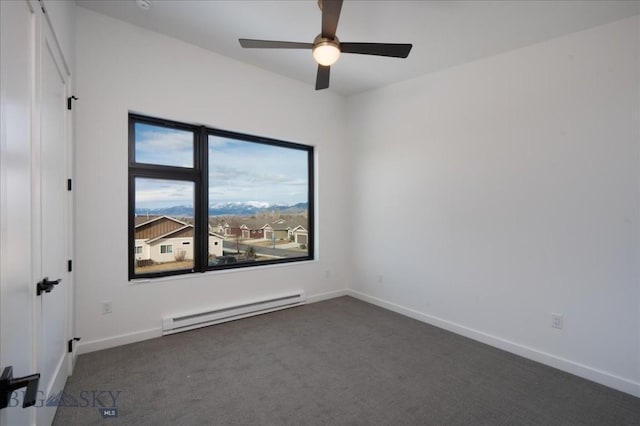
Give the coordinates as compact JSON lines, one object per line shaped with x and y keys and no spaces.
{"x":199,"y":175}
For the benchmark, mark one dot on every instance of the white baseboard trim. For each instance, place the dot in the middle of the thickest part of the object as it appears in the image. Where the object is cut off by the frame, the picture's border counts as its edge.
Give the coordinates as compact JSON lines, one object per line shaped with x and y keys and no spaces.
{"x":122,"y":339}
{"x":581,"y":370}
{"x":138,"y":336}
{"x":46,"y":413}
{"x":326,"y":296}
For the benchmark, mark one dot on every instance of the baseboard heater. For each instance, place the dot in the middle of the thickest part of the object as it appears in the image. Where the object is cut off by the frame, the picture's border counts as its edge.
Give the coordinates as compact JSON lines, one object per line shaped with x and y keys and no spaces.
{"x":185,"y":322}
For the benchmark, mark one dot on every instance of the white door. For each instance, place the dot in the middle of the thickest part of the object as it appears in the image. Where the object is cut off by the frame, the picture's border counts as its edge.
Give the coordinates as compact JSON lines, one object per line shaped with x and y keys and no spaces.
{"x":17,"y":296}
{"x":35,"y":201}
{"x":51,"y":151}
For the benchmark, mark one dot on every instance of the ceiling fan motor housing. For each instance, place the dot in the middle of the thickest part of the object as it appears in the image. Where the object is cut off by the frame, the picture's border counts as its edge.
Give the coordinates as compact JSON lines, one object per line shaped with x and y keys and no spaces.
{"x":326,"y":51}
{"x":323,"y":41}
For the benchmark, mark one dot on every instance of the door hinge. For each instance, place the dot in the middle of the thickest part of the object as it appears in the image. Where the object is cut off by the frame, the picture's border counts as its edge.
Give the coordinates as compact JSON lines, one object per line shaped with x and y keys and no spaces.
{"x":68,"y":184}
{"x":69,"y":265}
{"x":70,"y":344}
{"x":69,"y":99}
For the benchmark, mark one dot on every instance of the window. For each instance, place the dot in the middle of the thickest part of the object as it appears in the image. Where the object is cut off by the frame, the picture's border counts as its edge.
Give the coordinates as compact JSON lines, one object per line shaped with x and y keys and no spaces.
{"x":224,"y":199}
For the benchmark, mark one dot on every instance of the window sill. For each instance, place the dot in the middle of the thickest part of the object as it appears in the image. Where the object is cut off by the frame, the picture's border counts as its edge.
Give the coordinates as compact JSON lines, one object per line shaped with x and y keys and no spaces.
{"x":192,"y":275}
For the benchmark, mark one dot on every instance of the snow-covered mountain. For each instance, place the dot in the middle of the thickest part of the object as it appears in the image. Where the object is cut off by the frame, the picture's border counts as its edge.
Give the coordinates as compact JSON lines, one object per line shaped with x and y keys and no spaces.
{"x":225,"y":209}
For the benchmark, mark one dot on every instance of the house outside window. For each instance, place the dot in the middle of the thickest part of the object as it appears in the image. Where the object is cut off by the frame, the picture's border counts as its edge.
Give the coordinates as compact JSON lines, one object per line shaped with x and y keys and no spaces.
{"x":226,"y":199}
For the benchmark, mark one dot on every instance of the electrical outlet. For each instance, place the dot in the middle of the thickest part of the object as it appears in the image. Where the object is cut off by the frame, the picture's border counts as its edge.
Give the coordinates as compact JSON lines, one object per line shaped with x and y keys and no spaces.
{"x":327,"y":274}
{"x":380,"y":278}
{"x":556,"y":321}
{"x":106,"y":307}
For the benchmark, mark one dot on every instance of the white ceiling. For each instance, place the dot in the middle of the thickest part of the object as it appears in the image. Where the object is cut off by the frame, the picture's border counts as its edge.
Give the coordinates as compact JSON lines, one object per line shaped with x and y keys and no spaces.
{"x":443,"y":33}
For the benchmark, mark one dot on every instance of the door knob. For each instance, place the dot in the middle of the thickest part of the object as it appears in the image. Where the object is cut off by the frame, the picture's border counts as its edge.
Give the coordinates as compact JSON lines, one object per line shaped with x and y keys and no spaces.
{"x":8,"y":384}
{"x":46,"y":285}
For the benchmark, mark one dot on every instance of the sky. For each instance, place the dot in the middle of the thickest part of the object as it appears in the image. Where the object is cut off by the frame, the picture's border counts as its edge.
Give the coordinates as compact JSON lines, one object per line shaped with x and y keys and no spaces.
{"x":239,"y":171}
{"x":159,"y":145}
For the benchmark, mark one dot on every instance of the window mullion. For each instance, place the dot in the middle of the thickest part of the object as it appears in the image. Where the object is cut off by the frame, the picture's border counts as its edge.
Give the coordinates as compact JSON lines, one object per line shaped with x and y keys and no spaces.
{"x":201,"y":203}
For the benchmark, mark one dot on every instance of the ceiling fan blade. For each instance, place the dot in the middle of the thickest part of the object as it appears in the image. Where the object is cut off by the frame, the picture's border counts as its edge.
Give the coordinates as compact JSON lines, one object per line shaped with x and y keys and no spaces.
{"x":271,"y":44}
{"x":330,"y":16}
{"x":393,"y":50}
{"x":322,"y":79}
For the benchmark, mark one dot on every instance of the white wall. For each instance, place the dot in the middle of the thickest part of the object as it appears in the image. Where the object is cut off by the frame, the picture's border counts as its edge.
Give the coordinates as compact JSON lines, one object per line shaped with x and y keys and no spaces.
{"x":508,"y":189}
{"x":123,"y":68}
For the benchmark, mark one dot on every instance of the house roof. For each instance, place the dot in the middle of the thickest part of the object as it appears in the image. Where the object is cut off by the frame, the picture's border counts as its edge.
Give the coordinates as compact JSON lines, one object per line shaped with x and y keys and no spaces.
{"x":261,"y":222}
{"x":291,"y":222}
{"x":184,"y":232}
{"x":161,"y":227}
{"x":151,"y":228}
{"x":143,"y":220}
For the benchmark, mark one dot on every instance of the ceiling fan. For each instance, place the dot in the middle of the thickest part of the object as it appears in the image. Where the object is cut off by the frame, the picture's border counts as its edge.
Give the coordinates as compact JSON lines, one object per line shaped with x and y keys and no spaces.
{"x":326,"y":47}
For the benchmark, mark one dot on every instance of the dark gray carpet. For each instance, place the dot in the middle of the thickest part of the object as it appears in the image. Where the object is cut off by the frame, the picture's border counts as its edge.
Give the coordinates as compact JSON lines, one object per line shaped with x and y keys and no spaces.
{"x":341,"y":361}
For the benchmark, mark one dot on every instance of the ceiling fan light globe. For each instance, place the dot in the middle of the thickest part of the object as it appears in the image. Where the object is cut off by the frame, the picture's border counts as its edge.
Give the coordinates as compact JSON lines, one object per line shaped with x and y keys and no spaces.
{"x":326,"y":53}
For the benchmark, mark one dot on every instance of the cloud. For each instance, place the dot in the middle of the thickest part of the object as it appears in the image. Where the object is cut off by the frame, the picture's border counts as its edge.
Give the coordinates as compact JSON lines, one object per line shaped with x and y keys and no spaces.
{"x":271,"y":173}
{"x":158,"y":145}
{"x":161,"y":193}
